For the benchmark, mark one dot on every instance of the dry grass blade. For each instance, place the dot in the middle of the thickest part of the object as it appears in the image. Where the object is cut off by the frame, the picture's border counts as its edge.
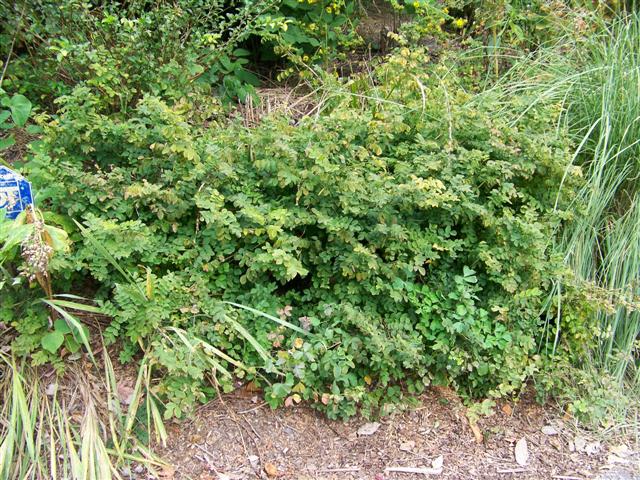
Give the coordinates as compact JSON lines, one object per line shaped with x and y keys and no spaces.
{"x":40,"y":437}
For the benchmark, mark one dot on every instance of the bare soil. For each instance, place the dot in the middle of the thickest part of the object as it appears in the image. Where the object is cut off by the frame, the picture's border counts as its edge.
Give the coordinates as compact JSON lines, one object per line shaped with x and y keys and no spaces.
{"x":239,"y":437}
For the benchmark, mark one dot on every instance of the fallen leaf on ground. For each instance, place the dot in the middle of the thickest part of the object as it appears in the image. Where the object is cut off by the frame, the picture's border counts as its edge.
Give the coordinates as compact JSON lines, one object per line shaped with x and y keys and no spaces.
{"x":620,"y":450}
{"x":592,"y":448}
{"x":52,"y":388}
{"x":254,"y":460}
{"x":549,"y":430}
{"x":125,"y":393}
{"x":521,"y":452}
{"x":369,"y":428}
{"x":476,"y":432}
{"x":580,"y":443}
{"x":408,"y":446}
{"x":438,"y":463}
{"x":556,"y":443}
{"x":167,"y":472}
{"x":613,"y":458}
{"x":271,"y":469}
{"x":506,"y":408}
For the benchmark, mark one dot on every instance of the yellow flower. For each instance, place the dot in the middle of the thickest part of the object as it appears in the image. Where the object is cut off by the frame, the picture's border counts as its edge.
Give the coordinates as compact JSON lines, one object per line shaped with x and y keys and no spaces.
{"x":459,"y":22}
{"x":328,"y":9}
{"x":416,"y":4}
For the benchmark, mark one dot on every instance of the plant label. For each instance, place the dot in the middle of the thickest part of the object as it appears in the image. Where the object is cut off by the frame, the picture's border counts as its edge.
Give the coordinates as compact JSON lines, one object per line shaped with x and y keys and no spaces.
{"x":15,"y":192}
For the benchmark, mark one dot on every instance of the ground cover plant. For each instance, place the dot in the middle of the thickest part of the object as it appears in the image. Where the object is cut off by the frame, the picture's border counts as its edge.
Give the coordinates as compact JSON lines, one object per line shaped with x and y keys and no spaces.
{"x":436,"y":220}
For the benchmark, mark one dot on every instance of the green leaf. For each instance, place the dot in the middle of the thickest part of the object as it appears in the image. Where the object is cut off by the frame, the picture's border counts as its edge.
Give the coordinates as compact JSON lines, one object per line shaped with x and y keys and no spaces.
{"x":61,"y":326}
{"x":7,"y":142}
{"x":34,"y":129}
{"x":196,"y":69}
{"x":52,"y":341}
{"x":58,"y":239}
{"x":20,"y":109}
{"x":4,"y":114}
{"x":469,"y":275}
{"x":71,"y":344}
{"x":78,"y":329}
{"x":241,"y":52}
{"x":280,"y":390}
{"x":247,"y":77}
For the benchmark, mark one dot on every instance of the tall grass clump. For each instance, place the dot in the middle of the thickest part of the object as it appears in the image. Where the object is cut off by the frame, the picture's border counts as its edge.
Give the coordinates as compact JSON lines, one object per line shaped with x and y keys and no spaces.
{"x":594,"y":77}
{"x":602,"y":243}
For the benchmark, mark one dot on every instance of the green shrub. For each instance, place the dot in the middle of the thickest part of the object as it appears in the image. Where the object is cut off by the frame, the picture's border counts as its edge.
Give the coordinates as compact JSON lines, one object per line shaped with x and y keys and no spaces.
{"x":408,"y":236}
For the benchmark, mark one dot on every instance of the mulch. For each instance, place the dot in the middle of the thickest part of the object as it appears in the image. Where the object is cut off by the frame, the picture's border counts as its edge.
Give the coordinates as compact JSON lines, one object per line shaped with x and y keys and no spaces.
{"x":238,"y":437}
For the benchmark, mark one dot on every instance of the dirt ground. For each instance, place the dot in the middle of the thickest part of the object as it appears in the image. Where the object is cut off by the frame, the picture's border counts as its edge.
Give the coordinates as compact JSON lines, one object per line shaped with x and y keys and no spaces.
{"x":239,"y":437}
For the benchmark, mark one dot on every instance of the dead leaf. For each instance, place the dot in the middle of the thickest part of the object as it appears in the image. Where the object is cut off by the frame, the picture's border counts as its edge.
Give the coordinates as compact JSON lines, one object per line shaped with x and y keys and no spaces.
{"x":325,"y":399}
{"x":521,"y":452}
{"x":125,"y":393}
{"x":254,"y":460}
{"x":408,"y":446}
{"x":476,"y":432}
{"x":591,"y":448}
{"x":620,"y":450}
{"x":369,"y":428}
{"x":167,"y":472}
{"x":556,"y":443}
{"x":549,"y":430}
{"x":270,"y":469}
{"x":438,"y":463}
{"x":292,"y":399}
{"x":613,"y":458}
{"x":580,"y":443}
{"x":51,"y":390}
{"x":507,"y":410}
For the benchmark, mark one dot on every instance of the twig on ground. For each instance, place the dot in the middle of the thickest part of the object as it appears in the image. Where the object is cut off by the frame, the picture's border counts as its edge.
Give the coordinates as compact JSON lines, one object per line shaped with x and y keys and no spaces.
{"x":422,"y":470}
{"x":249,"y":410}
{"x":344,"y":469}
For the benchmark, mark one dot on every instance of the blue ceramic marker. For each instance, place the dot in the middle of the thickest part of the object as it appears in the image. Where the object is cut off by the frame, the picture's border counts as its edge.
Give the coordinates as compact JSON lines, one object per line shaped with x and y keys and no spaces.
{"x":15,"y":192}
